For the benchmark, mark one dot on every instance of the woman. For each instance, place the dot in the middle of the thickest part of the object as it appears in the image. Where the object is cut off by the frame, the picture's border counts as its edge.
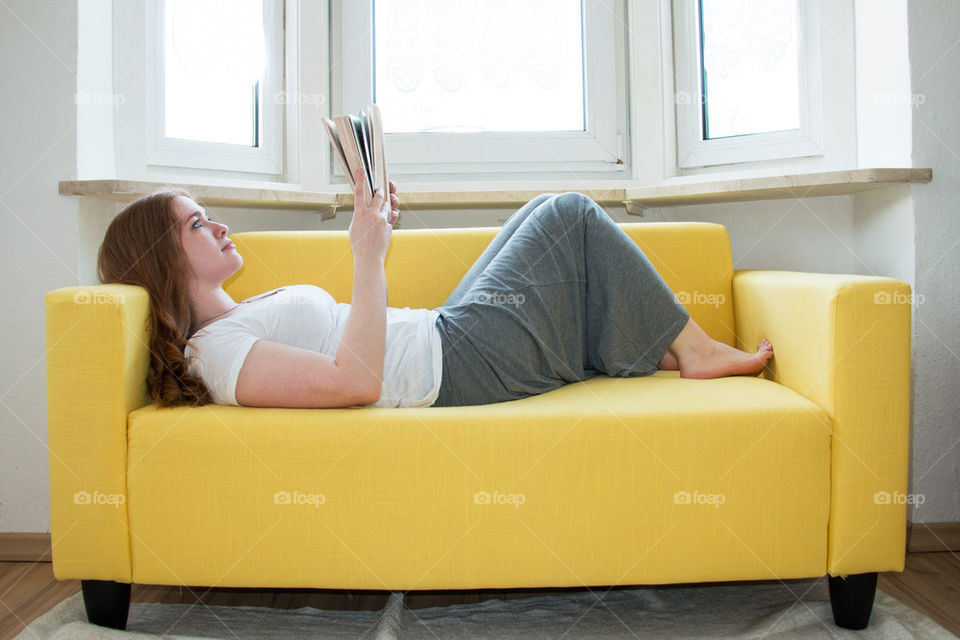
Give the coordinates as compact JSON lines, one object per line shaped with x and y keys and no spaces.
{"x":561,"y":294}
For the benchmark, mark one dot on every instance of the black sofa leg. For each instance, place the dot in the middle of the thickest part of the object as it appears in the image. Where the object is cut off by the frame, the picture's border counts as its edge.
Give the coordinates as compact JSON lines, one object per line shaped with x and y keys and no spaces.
{"x":107,"y":602}
{"x":851,"y":599}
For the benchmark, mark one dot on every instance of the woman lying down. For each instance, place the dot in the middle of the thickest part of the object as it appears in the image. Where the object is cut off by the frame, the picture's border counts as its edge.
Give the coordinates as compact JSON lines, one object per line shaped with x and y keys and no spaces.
{"x":560,"y":295}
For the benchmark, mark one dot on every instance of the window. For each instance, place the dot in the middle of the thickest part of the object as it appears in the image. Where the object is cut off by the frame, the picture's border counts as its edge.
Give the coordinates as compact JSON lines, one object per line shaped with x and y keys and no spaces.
{"x":214,"y":99}
{"x":465,"y":66}
{"x":487,"y":86}
{"x":213,"y":68}
{"x":747,"y":79}
{"x":477,"y":90}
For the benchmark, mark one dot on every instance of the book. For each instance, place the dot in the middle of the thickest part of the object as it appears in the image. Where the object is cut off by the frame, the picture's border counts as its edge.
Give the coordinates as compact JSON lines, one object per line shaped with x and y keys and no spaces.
{"x":357,"y":141}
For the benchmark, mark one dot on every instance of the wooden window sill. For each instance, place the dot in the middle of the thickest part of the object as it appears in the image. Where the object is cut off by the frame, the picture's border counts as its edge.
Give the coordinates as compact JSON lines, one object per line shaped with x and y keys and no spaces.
{"x":674,"y":192}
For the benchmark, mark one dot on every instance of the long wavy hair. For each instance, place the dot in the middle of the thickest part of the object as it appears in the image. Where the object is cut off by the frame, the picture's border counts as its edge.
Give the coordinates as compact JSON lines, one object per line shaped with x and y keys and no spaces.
{"x":142,"y":247}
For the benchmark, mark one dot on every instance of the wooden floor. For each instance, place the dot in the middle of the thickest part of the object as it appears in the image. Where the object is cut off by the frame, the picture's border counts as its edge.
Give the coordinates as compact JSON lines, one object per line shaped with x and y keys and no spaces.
{"x":929,"y":583}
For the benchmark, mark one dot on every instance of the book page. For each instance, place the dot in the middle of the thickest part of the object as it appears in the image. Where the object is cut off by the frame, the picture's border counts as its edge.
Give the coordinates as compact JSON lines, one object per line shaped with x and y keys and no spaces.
{"x":348,"y":142}
{"x":369,"y":147}
{"x":362,"y":149}
{"x":380,"y":159}
{"x":329,"y":125}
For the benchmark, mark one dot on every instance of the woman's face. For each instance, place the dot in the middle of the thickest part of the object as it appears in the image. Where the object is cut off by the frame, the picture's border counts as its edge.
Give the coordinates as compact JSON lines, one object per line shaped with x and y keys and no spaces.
{"x":209,"y":250}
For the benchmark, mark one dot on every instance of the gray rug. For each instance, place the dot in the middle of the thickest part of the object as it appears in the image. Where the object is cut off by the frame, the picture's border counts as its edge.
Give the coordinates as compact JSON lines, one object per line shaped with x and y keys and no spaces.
{"x":788,"y":609}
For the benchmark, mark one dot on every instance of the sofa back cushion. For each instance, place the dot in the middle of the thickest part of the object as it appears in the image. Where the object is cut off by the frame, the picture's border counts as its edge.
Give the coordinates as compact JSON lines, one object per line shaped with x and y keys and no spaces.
{"x":423,"y":266}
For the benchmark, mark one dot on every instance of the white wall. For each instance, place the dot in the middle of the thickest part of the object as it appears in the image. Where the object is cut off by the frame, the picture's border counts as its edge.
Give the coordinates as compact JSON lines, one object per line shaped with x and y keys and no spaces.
{"x":934,"y":71}
{"x":883,"y":232}
{"x":38,"y":236}
{"x":95,"y":92}
{"x":883,"y":219}
{"x":883,"y":84}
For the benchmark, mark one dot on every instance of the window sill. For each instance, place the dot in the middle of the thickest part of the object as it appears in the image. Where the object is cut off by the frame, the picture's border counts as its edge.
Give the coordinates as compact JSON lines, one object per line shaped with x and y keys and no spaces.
{"x":673,"y":192}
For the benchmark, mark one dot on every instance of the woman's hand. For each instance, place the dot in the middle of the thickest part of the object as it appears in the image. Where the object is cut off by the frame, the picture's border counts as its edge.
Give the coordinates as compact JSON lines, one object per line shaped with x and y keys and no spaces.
{"x":369,"y":230}
{"x":394,"y":203}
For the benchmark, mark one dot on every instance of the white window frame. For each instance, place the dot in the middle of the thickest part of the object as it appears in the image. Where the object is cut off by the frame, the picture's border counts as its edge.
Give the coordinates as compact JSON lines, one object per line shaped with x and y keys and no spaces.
{"x":599,"y":152}
{"x":265,"y":159}
{"x":692,"y":150}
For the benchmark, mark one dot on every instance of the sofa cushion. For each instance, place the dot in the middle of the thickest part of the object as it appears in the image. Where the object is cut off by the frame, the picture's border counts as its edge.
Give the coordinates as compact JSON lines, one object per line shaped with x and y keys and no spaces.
{"x":641,"y":480}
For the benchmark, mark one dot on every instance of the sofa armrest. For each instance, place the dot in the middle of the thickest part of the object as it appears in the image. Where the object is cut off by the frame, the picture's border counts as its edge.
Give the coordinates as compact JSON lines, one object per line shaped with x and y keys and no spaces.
{"x":97,"y":339}
{"x":843,"y":342}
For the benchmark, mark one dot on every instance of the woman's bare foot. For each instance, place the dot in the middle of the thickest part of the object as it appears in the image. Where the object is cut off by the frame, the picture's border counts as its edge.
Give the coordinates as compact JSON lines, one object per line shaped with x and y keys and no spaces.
{"x":700,"y":356}
{"x":718,"y":360}
{"x":668,"y":362}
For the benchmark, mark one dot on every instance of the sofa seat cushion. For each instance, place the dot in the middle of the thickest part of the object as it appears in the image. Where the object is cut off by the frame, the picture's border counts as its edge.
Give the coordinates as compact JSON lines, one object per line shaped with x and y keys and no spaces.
{"x":646,"y":480}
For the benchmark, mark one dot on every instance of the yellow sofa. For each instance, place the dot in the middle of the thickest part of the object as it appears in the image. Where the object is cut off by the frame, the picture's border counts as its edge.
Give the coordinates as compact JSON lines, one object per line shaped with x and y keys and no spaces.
{"x":611,"y":481}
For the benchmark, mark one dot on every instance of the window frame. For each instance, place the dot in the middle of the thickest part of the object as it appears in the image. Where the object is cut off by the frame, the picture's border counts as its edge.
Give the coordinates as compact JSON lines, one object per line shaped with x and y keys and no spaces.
{"x":695,"y":152}
{"x":267,"y":159}
{"x":648,"y":122}
{"x":598,"y":152}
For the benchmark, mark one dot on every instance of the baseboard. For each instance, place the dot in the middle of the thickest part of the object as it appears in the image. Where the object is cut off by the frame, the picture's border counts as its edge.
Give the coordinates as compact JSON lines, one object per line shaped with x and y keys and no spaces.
{"x":933,"y":536}
{"x":25,"y":547}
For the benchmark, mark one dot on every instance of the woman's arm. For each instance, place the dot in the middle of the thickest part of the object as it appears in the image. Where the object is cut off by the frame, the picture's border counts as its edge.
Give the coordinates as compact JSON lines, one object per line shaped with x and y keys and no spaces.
{"x":279,"y":375}
{"x":363,"y":344}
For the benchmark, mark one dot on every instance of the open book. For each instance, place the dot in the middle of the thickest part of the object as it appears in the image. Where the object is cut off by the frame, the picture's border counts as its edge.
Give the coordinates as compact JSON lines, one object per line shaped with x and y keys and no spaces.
{"x":358,"y":142}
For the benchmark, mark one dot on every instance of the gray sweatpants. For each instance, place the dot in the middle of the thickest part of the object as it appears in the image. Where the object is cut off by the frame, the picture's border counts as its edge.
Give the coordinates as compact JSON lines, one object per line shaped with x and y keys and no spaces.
{"x":560,"y":295}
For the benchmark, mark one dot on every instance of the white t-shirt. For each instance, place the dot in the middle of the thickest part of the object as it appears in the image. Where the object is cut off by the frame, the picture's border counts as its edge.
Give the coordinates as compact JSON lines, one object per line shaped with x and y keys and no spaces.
{"x":308,"y":317}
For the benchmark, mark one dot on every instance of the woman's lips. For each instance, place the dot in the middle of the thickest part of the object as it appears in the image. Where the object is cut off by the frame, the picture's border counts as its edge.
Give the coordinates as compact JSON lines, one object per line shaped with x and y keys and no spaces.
{"x":229,"y":246}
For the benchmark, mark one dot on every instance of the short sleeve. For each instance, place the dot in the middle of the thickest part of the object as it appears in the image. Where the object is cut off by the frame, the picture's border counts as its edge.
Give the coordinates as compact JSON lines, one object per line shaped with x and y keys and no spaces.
{"x":217,"y":360}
